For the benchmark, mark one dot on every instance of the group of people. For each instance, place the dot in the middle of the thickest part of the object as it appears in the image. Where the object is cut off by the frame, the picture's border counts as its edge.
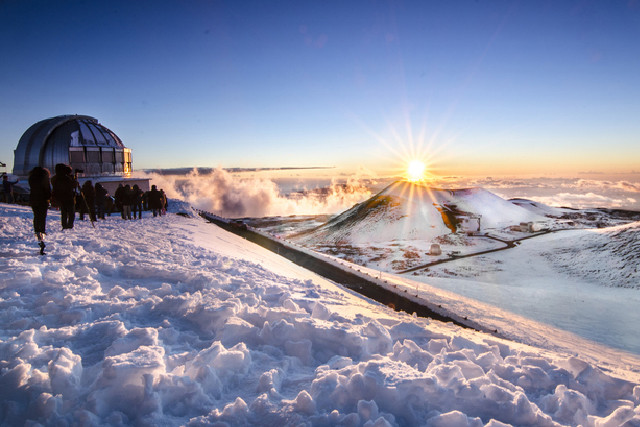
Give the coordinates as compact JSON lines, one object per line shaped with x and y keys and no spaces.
{"x":63,"y":191}
{"x":133,"y":200}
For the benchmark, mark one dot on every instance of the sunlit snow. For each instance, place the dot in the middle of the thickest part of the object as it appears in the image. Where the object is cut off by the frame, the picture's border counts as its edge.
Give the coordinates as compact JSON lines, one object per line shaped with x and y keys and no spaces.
{"x":173,"y":321}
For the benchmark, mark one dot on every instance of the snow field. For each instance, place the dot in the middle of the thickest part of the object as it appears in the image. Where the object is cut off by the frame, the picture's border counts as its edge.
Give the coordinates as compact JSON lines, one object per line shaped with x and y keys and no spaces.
{"x":172,"y":321}
{"x":608,"y":255}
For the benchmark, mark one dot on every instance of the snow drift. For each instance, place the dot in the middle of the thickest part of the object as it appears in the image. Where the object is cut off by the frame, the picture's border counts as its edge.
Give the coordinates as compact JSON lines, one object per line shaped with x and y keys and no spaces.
{"x":172,"y":321}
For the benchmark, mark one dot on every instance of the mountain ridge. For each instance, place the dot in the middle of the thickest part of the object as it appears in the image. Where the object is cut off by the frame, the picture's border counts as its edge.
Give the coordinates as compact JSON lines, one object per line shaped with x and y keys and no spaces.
{"x":412,"y":211}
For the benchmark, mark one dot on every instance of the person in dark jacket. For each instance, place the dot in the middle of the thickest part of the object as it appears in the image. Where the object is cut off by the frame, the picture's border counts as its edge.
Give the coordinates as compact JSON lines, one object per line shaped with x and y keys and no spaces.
{"x":7,"y":188}
{"x":39,"y":201}
{"x":155,"y":200}
{"x":127,"y":201}
{"x":89,"y":195}
{"x":137,"y":201}
{"x":101,"y":200}
{"x":63,"y":194}
{"x":119,"y":196}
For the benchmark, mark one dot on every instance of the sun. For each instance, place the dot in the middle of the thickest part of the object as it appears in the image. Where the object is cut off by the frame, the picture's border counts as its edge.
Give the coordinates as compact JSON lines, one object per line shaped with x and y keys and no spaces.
{"x":416,"y":171}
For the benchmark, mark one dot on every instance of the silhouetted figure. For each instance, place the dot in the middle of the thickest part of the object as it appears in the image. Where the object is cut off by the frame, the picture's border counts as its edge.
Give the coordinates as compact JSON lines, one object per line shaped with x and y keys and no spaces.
{"x":164,"y":202}
{"x":119,"y":196}
{"x":7,"y":188}
{"x":109,"y":204}
{"x":39,"y":200}
{"x":127,"y":201}
{"x":63,"y":194}
{"x":137,"y":194}
{"x":145,"y":201}
{"x":89,"y":202}
{"x":101,"y":200}
{"x":155,"y":200}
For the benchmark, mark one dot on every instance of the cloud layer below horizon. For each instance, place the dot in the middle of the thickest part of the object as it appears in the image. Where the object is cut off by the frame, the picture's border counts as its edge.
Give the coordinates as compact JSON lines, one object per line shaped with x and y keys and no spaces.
{"x":237,"y":195}
{"x":229,"y":195}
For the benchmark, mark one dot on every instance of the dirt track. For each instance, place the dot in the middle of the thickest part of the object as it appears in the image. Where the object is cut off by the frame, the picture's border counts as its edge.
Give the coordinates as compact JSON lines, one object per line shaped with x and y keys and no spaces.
{"x":508,"y":245}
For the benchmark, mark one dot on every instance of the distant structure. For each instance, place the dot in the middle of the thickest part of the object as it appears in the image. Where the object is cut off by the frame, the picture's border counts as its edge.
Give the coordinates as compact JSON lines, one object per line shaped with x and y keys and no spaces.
{"x":527,"y":227}
{"x":92,"y":150}
{"x":469,"y":223}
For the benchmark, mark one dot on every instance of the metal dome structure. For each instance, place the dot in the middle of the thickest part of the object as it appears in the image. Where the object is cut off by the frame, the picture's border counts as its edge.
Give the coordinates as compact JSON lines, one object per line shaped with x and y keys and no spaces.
{"x":77,"y":140}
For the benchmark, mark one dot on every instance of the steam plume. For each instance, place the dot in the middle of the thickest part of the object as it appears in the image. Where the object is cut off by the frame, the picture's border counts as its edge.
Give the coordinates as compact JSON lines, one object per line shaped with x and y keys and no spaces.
{"x":227,"y":195}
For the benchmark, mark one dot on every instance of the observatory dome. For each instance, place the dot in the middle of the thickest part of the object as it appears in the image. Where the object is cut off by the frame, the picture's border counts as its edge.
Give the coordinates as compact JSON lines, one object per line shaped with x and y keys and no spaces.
{"x":77,"y":140}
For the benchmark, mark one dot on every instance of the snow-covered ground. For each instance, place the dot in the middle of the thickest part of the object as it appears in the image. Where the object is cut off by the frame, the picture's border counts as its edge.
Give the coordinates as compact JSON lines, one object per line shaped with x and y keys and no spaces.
{"x":172,"y":321}
{"x":412,"y":211}
{"x":582,"y":277}
{"x":583,"y":281}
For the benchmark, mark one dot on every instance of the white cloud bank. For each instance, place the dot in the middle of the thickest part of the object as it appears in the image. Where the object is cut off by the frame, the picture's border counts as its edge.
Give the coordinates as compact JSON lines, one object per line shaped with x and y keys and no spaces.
{"x":228,"y":195}
{"x":237,"y":195}
{"x":558,"y":191}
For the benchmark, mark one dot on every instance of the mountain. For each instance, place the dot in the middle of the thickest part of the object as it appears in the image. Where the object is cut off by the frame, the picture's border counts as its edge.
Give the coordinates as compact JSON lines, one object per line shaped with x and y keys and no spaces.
{"x":411,"y":211}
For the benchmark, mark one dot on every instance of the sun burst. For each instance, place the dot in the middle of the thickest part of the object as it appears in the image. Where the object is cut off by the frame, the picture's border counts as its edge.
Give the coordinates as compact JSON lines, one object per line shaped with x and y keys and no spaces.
{"x":416,"y":171}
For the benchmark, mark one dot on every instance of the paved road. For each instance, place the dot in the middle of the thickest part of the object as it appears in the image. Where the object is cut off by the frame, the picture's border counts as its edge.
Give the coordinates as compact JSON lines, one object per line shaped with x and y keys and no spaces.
{"x":352,"y":281}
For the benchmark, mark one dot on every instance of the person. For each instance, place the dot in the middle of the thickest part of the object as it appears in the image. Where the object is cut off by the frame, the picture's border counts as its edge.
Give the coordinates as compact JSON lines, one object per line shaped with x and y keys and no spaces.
{"x":63,"y":194}
{"x":127,"y":201}
{"x":109,"y":204}
{"x":145,"y":200}
{"x":40,"y":195}
{"x":7,"y":188}
{"x":89,"y":195}
{"x":118,"y":196}
{"x":137,"y":201}
{"x":163,"y":202}
{"x":155,"y":200}
{"x":101,"y":200}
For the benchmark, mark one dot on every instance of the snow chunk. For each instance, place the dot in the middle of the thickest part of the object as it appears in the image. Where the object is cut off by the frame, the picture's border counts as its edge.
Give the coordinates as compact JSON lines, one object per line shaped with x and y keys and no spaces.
{"x":303,"y":403}
{"x":65,"y":371}
{"x":453,"y":419}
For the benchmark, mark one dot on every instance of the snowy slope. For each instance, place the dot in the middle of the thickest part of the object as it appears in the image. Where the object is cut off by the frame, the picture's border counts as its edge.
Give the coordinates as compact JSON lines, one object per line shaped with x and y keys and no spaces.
{"x":172,"y":321}
{"x":540,"y":208}
{"x":577,"y":280}
{"x":609,"y":256}
{"x":410,"y":211}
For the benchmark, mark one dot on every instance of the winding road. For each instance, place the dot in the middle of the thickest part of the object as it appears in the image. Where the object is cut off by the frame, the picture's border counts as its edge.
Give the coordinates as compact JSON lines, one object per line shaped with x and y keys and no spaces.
{"x":508,"y":245}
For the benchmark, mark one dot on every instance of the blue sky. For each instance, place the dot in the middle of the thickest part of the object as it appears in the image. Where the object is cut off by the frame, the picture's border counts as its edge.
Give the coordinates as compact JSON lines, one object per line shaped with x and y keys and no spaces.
{"x":474,"y":86}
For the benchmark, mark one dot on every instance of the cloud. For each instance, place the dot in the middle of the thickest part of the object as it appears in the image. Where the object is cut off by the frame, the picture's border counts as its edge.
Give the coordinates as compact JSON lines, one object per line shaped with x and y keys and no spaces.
{"x":231,"y":196}
{"x":588,"y":200}
{"x":236,"y":195}
{"x":628,"y":186}
{"x":559,"y":191}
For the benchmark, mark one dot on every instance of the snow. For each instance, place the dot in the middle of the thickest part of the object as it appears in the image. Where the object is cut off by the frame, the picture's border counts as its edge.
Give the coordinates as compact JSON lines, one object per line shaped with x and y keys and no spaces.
{"x":173,"y":321}
{"x":411,"y":211}
{"x":583,"y":281}
{"x":572,"y":275}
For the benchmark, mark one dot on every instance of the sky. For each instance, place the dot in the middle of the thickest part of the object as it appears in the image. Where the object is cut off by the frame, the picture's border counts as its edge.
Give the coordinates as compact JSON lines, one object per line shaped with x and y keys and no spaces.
{"x":471,"y":87}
